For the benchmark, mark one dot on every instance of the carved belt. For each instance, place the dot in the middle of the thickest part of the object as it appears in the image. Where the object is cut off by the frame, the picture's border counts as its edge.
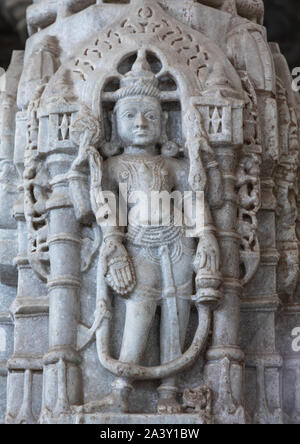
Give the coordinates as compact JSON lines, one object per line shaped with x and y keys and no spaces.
{"x":153,"y":236}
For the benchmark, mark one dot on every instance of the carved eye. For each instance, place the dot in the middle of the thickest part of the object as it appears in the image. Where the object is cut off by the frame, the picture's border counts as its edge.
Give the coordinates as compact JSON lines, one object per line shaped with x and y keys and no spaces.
{"x":129,"y":115}
{"x":150,"y":116}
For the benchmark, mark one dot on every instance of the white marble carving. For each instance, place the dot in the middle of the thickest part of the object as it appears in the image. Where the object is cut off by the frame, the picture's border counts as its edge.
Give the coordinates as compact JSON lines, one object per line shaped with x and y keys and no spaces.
{"x":140,"y":321}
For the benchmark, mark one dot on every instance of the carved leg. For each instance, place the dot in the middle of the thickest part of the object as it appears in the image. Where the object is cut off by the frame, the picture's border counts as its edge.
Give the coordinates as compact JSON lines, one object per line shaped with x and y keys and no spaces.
{"x":139,"y":318}
{"x":167,"y":402}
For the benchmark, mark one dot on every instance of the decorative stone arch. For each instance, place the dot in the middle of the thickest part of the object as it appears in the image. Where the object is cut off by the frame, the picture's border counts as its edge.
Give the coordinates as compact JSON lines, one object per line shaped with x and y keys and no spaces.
{"x":247,"y":38}
{"x":190,"y":58}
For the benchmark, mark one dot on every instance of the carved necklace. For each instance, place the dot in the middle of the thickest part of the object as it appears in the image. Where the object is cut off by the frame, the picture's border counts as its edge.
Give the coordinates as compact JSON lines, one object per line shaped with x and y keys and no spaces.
{"x":143,"y":172}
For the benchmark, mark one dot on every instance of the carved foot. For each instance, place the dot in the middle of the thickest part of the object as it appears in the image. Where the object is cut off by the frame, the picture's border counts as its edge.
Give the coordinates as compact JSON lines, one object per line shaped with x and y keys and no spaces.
{"x":168,"y":406}
{"x":116,"y":402}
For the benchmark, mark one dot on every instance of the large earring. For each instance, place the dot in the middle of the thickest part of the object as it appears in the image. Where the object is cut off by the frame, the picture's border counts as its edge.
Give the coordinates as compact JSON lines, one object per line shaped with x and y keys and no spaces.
{"x":168,"y":148}
{"x":113,"y":147}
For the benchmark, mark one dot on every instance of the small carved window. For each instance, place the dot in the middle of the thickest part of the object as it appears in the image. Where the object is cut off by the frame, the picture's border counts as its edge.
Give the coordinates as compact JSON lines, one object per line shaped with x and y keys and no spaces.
{"x":126,"y":65}
{"x":154,"y":62}
{"x":215,"y":120}
{"x":167,"y":83}
{"x":64,"y":121}
{"x":112,"y":85}
{"x":79,"y":6}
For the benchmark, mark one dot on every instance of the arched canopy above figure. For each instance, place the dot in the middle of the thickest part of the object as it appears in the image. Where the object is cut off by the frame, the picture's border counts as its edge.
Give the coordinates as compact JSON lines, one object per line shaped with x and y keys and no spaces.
{"x":185,"y":55}
{"x":249,"y":50}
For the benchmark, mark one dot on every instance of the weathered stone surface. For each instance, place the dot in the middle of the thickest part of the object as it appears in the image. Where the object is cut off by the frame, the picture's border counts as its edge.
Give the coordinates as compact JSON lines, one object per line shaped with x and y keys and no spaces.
{"x":148,"y":322}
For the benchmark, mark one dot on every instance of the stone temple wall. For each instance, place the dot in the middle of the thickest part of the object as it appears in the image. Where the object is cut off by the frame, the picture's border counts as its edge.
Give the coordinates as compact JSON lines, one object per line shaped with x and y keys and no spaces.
{"x":230,"y":114}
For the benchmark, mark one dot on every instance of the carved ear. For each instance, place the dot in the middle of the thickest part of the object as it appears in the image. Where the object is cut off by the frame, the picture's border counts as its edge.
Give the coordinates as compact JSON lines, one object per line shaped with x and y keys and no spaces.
{"x":168,"y":148}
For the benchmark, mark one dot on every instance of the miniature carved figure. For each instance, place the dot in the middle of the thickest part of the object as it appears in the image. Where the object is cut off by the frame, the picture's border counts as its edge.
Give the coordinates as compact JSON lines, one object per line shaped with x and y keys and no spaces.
{"x":198,"y":400}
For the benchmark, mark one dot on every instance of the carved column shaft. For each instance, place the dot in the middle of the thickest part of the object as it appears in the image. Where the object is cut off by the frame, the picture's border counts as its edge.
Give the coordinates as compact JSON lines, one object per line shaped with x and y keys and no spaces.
{"x":25,"y":366}
{"x":260,"y":299}
{"x":225,"y":332}
{"x":225,"y":358}
{"x":63,"y":284}
{"x":30,"y":308}
{"x":61,"y":362}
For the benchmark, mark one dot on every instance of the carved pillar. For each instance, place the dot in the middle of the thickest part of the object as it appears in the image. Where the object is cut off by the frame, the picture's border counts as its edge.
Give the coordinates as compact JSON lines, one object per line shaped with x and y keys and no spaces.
{"x":30,"y":311}
{"x":287,"y":233}
{"x":224,"y":368}
{"x":62,"y":374}
{"x":61,"y":363}
{"x":225,"y":358}
{"x":8,"y":231}
{"x":259,"y":298}
{"x":263,"y":363}
{"x":290,"y":324}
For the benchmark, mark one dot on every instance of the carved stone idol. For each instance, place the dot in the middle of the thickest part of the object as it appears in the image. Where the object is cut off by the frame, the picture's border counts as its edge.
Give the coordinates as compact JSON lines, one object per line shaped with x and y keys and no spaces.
{"x":150,"y":264}
{"x":149,"y":254}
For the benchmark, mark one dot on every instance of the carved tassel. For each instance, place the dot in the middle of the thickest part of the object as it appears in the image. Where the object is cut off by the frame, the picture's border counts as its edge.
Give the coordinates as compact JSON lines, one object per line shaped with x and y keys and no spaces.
{"x":194,"y":137}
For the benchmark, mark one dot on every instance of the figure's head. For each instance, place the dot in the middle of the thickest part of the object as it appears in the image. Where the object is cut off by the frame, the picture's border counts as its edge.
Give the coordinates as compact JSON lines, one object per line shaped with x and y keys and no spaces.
{"x":139,"y":121}
{"x":138,"y":111}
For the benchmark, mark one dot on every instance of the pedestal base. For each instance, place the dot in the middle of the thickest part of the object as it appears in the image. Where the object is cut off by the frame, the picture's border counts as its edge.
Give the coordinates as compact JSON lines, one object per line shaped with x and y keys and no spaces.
{"x":113,"y":418}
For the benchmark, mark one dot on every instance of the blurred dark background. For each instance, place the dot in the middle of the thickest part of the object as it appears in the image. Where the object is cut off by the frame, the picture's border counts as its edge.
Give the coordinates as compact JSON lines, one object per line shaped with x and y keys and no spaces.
{"x":9,"y":40}
{"x":282,"y":19}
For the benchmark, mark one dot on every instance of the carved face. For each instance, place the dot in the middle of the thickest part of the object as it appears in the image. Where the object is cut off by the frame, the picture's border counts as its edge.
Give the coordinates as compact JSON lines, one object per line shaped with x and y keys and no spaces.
{"x":139,"y":121}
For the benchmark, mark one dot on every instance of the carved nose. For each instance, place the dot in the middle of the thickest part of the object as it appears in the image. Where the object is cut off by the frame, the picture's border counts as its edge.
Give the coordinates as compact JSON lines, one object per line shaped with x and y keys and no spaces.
{"x":140,"y":121}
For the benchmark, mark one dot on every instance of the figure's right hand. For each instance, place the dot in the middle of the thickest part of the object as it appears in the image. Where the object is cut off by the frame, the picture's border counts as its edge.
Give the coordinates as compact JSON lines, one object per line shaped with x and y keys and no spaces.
{"x":117,"y":266}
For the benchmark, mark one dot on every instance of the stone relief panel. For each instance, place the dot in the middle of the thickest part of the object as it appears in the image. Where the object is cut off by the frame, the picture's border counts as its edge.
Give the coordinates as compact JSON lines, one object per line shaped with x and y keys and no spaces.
{"x":118,"y":314}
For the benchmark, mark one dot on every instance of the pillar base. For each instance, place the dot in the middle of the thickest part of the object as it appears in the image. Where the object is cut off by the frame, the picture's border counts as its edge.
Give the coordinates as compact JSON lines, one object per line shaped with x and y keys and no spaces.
{"x":112,"y":418}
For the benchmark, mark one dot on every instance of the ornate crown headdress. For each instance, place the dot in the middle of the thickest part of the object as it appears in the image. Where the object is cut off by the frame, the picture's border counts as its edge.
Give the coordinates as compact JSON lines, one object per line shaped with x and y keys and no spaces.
{"x":140,"y":81}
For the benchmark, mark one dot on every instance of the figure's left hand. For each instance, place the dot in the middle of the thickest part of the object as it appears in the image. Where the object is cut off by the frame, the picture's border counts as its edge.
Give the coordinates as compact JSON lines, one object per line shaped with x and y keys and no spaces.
{"x":208,"y":254}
